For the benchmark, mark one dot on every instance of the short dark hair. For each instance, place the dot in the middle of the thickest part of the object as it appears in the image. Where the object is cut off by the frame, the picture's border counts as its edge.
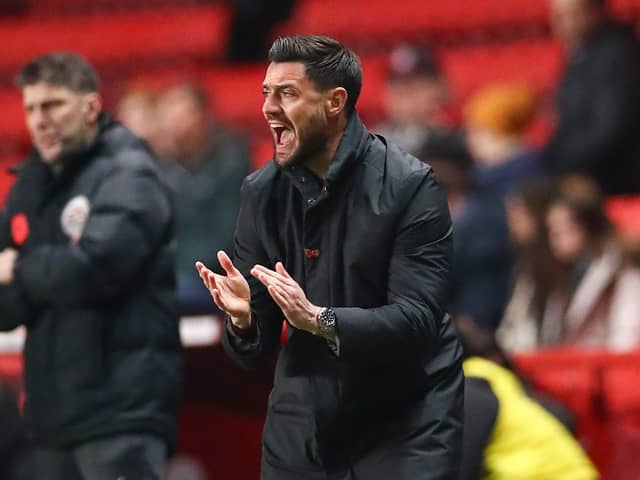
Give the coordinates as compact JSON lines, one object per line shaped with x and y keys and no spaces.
{"x":446,"y":146}
{"x":327,"y":62}
{"x":62,"y":69}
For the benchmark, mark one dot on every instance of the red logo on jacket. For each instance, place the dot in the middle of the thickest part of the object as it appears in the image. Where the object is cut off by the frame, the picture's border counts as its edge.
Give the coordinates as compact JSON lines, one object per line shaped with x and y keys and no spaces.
{"x":19,"y":229}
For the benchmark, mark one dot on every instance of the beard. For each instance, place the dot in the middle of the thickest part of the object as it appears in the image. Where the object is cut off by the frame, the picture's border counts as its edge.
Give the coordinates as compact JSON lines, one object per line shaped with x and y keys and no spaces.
{"x":312,"y":141}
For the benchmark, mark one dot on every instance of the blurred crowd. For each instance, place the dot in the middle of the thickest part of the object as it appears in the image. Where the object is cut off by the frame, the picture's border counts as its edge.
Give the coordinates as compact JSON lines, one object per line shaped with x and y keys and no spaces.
{"x":537,"y":260}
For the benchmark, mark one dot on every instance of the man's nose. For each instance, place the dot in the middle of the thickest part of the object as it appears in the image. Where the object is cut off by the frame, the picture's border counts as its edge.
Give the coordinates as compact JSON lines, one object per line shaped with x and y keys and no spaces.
{"x":38,"y":118}
{"x":270,"y":106}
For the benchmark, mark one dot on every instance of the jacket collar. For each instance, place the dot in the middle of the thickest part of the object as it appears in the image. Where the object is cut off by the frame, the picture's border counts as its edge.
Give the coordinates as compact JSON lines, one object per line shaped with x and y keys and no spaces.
{"x":35,"y":168}
{"x":351,"y":150}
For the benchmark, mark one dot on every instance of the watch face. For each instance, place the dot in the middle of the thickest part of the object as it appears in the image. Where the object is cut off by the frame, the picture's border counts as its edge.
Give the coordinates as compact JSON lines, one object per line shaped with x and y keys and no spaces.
{"x":328,"y":317}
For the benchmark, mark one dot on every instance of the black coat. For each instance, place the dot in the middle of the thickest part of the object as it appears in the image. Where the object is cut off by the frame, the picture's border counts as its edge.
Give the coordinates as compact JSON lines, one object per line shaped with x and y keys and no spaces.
{"x":598,"y":106}
{"x":94,"y":285}
{"x":375,"y":245}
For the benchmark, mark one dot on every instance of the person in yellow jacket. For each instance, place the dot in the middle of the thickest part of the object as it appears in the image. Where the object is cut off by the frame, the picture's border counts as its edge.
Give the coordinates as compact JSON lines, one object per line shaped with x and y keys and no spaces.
{"x":525,"y":442}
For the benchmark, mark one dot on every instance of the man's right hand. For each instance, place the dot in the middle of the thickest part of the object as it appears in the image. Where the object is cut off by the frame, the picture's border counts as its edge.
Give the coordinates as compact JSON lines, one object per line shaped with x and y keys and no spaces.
{"x":230,"y":292}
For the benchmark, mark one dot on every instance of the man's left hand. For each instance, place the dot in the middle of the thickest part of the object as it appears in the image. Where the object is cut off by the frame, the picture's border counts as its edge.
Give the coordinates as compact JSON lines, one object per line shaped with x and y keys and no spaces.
{"x":289,"y":296}
{"x":8,"y":258}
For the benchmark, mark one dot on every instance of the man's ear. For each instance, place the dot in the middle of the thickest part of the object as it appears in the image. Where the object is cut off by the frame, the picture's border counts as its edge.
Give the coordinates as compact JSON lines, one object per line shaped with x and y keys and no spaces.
{"x":336,"y":101}
{"x":92,"y":106}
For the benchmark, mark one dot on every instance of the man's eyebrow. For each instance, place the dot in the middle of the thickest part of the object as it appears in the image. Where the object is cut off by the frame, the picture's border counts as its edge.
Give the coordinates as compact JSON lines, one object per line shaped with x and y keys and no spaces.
{"x":279,"y":86}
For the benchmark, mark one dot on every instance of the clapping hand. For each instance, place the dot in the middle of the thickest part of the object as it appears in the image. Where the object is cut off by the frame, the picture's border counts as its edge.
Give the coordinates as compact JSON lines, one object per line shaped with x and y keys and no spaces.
{"x":230,"y":292}
{"x":289,"y":296}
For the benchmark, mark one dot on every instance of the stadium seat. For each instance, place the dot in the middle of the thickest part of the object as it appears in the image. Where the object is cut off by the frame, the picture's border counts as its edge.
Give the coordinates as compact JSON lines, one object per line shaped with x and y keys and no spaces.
{"x":117,"y":38}
{"x":384,"y":20}
{"x":376,"y":21}
{"x":11,"y":368}
{"x":536,"y":63}
{"x":624,"y":212}
{"x":12,"y":127}
{"x":6,"y":177}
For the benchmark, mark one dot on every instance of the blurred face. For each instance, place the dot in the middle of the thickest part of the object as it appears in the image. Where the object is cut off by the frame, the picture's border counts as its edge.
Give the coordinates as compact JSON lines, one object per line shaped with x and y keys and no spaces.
{"x":295,"y":110}
{"x":183,"y":125}
{"x":485,"y":146}
{"x":59,"y":120}
{"x":416,"y":99}
{"x":522,"y":224}
{"x":137,"y":113}
{"x":567,"y":239}
{"x":573,"y":20}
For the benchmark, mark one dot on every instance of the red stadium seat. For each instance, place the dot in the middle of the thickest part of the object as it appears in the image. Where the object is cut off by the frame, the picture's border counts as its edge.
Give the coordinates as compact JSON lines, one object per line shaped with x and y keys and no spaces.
{"x":11,"y":368}
{"x":624,"y":212}
{"x":12,"y":126}
{"x":375,"y":21}
{"x":6,"y":177}
{"x":168,"y":33}
{"x":536,"y":63}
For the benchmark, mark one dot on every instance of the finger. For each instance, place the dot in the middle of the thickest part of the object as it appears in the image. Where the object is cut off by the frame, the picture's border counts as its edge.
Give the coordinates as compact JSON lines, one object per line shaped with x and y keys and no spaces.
{"x":211,"y":280}
{"x":262,"y":278}
{"x":268,"y":278}
{"x":202,"y":271}
{"x":217,"y":298}
{"x":282,"y":271}
{"x":269,"y":273}
{"x":226,"y":263}
{"x":279,"y":298}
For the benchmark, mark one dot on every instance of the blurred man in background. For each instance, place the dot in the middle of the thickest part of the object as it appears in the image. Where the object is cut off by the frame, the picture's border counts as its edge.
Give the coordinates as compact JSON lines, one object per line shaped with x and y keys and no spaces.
{"x":598,"y":101}
{"x":496,"y":118}
{"x":137,"y":110}
{"x":205,"y":163}
{"x":86,"y":257}
{"x":414,"y":97}
{"x":481,"y":269}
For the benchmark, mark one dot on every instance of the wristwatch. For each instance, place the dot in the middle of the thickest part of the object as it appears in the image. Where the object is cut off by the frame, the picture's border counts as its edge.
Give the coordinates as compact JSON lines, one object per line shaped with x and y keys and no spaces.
{"x":327,"y":323}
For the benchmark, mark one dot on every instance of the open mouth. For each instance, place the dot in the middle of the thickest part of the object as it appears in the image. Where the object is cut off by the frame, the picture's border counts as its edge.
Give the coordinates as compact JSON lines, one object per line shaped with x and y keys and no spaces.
{"x":282,"y":135}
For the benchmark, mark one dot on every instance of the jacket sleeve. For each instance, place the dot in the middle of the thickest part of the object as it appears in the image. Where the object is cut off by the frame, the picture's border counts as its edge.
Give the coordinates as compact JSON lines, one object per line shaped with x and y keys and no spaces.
{"x":250,"y":350}
{"x":128,"y":220}
{"x":418,"y":285}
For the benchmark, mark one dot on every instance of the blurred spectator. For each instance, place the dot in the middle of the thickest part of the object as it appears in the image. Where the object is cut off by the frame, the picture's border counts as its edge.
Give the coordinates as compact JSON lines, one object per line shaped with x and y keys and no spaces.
{"x":414,"y":97}
{"x":508,"y":434}
{"x":86,"y":248}
{"x":206,"y":164}
{"x":534,"y":267}
{"x":251,"y":25}
{"x":598,"y":102}
{"x":592,"y":298}
{"x":481,"y":270}
{"x":137,"y":110}
{"x":597,"y":303}
{"x":496,"y":118}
